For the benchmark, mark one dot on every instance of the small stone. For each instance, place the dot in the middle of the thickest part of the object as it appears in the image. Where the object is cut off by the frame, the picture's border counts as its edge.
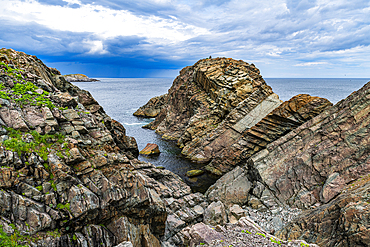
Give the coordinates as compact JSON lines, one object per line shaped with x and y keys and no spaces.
{"x":194,"y":173}
{"x":150,"y":149}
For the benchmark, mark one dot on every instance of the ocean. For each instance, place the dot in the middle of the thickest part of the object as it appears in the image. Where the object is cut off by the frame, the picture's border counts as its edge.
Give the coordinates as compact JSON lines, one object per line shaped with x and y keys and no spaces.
{"x":121,"y":97}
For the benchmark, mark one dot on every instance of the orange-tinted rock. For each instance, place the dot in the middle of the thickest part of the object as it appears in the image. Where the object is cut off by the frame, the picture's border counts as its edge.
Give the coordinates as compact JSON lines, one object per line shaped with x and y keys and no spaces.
{"x":150,"y":149}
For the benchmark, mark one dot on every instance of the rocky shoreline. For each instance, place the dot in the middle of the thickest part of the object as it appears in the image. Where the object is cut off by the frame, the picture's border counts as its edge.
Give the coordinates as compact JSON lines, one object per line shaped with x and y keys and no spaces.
{"x":303,"y":154}
{"x":70,"y":176}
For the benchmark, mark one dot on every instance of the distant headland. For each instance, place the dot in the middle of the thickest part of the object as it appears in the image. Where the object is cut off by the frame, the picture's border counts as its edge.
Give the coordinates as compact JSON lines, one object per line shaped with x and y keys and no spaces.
{"x":78,"y":78}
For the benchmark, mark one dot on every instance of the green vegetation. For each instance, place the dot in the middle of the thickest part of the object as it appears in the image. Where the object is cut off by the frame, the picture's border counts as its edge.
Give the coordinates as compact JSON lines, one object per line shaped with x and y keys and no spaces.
{"x":304,"y":245}
{"x":261,"y":234}
{"x":275,"y":241}
{"x":13,"y":239}
{"x":27,"y":94}
{"x":40,"y":144}
{"x":52,"y":183}
{"x":3,"y":94}
{"x":65,"y":206}
{"x":9,"y":241}
{"x":23,"y":92}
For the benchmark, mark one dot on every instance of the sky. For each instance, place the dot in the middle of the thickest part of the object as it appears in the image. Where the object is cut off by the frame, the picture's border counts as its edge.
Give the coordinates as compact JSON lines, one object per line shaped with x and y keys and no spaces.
{"x":156,"y":38}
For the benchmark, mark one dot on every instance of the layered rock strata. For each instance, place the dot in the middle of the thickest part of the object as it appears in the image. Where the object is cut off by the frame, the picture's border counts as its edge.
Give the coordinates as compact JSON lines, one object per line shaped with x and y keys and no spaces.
{"x":240,"y":141}
{"x":217,"y":111}
{"x":321,"y":167}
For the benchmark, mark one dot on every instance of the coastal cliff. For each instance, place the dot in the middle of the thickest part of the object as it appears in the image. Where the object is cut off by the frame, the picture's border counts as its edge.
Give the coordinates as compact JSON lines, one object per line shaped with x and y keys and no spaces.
{"x":220,"y":111}
{"x":70,"y":176}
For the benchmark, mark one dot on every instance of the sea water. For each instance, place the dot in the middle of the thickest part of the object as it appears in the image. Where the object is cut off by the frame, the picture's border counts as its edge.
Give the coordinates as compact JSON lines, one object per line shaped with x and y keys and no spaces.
{"x":121,"y":97}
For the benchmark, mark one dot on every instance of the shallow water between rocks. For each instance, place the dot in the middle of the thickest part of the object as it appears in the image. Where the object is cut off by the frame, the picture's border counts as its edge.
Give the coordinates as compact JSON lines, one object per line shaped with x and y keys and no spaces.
{"x":121,"y":97}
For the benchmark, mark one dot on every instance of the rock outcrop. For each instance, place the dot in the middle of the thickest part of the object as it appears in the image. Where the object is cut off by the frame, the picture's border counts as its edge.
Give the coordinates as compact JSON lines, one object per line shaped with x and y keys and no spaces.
{"x":321,"y":167}
{"x":221,"y":112}
{"x":78,"y":78}
{"x":69,"y":174}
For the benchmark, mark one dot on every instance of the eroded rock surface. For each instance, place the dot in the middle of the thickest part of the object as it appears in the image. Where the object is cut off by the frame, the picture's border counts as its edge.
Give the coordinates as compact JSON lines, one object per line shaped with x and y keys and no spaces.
{"x":341,"y":222}
{"x":69,"y":175}
{"x":244,"y":233}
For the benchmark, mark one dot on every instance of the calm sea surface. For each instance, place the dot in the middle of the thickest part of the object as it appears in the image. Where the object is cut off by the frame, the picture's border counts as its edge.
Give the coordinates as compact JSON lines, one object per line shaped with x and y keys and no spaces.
{"x":121,"y":97}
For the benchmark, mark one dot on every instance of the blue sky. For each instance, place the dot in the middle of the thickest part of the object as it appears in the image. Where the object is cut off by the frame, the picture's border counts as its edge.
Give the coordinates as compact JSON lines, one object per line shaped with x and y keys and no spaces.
{"x":156,"y":38}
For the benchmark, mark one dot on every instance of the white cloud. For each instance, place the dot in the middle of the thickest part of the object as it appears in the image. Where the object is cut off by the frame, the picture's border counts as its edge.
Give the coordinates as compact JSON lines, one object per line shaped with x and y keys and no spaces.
{"x":101,"y":21}
{"x":311,"y":64}
{"x":96,"y":47}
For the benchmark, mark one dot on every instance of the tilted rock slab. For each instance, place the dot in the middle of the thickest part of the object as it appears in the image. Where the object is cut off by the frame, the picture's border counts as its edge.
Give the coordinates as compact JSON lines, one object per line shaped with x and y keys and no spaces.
{"x":244,"y":139}
{"x":341,"y":222}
